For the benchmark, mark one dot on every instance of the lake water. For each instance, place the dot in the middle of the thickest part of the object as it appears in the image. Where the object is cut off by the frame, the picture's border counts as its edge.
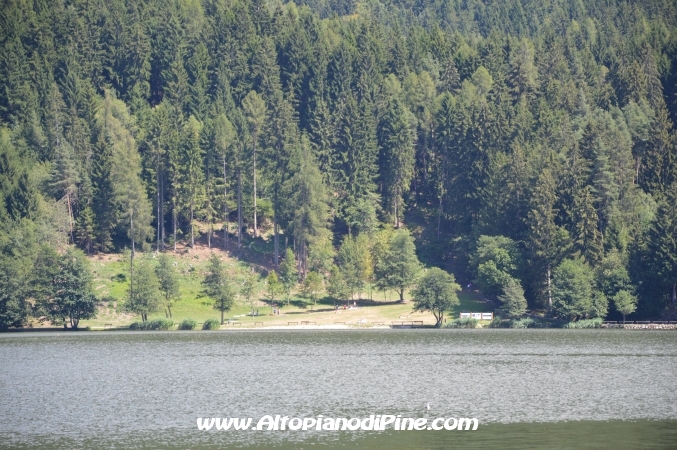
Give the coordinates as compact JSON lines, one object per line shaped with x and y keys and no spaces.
{"x":547,"y":389}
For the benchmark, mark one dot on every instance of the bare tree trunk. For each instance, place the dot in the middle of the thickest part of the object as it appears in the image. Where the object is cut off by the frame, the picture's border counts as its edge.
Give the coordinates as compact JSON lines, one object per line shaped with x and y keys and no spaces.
{"x":674,"y":294}
{"x":549,"y":290}
{"x":192,"y":234}
{"x":131,"y":258}
{"x":225,"y":207}
{"x":174,"y":219}
{"x":159,"y":218}
{"x":239,"y":208}
{"x":70,"y":215}
{"x":439,"y":218}
{"x":255,"y":228}
{"x":276,"y":243}
{"x":162,"y":212}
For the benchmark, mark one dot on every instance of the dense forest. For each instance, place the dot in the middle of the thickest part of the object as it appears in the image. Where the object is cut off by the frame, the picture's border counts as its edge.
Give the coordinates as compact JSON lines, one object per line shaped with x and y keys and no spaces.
{"x":534,"y":139}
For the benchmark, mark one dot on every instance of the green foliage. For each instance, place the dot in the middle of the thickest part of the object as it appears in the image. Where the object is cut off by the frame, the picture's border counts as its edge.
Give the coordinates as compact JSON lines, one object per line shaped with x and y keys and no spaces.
{"x":399,"y":267}
{"x":288,"y":272}
{"x":187,"y":324}
{"x":154,"y":324}
{"x":495,"y":261}
{"x":73,"y":298}
{"x":248,"y":288}
{"x":514,"y":304}
{"x":211,"y":324}
{"x":436,"y":292}
{"x":217,"y":286}
{"x":168,"y":281}
{"x":338,"y":288}
{"x":522,"y":323}
{"x":330,"y":119}
{"x":625,"y":303}
{"x":312,"y":285}
{"x":463,"y":323}
{"x":586,"y":323}
{"x":574,"y":296}
{"x":145,"y":297}
{"x":274,"y":287}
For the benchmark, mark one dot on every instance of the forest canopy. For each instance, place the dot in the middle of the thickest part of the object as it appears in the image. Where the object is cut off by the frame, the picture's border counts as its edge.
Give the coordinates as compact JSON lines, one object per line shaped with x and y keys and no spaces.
{"x":535,"y":138}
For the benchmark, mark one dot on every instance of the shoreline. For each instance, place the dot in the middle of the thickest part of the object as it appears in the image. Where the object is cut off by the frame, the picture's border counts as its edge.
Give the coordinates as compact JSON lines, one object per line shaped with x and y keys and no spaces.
{"x":329,"y":327}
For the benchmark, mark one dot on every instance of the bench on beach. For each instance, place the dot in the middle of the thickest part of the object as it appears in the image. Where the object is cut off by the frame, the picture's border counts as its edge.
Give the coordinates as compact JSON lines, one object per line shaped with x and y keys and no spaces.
{"x":292,"y":323}
{"x":107,"y":325}
{"x":256,"y":324}
{"x":307,"y":322}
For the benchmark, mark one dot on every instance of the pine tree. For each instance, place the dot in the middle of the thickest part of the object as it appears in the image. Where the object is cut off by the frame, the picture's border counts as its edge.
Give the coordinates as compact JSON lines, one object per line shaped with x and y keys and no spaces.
{"x":144,"y":295}
{"x":224,"y":141}
{"x":547,"y":241}
{"x":288,"y":272}
{"x":662,"y":248}
{"x":168,"y":282}
{"x":217,"y":286}
{"x":514,"y":304}
{"x":309,"y":203}
{"x":84,"y":230}
{"x":586,"y":236}
{"x":397,"y":156}
{"x":255,"y":111}
{"x":400,"y":265}
{"x":103,"y":194}
{"x":192,"y":173}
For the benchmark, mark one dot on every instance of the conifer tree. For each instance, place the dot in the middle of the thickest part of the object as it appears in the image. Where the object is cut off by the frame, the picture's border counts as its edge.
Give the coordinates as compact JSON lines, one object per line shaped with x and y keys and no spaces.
{"x":547,"y":241}
{"x":144,"y":296}
{"x":217,"y":286}
{"x":288,"y":272}
{"x":168,"y":282}
{"x":224,"y":137}
{"x":397,"y":156}
{"x":192,"y":173}
{"x":308,"y":201}
{"x":255,"y":111}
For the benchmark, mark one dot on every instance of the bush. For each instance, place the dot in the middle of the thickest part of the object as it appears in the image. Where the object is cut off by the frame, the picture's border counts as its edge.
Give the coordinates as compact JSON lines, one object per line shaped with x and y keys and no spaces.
{"x":587,"y":323}
{"x":463,"y":323}
{"x":187,"y":324}
{"x":211,"y":324}
{"x":523,"y":323}
{"x":160,"y":324}
{"x":499,"y":323}
{"x":137,"y":326}
{"x":155,"y":324}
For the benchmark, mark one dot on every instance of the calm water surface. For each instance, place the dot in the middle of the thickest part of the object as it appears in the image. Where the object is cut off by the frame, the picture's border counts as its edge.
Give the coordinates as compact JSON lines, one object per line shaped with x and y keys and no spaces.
{"x":528,"y":388}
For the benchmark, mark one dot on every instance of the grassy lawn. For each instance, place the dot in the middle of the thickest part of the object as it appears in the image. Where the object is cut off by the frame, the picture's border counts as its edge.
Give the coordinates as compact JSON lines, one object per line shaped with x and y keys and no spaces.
{"x":111,"y":283}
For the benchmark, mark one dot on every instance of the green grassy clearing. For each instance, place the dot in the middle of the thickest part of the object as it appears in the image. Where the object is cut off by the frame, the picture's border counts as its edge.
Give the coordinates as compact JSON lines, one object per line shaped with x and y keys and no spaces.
{"x":111,"y":283}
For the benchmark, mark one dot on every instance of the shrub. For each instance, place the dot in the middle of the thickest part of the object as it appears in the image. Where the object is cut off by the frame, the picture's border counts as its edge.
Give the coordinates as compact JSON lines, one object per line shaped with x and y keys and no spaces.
{"x":463,"y":323}
{"x":160,"y":324}
{"x":499,"y":323}
{"x":522,"y":323}
{"x":187,"y":324}
{"x":120,"y":278}
{"x":211,"y":324}
{"x":587,"y":323}
{"x":137,"y":326}
{"x":155,"y":324}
